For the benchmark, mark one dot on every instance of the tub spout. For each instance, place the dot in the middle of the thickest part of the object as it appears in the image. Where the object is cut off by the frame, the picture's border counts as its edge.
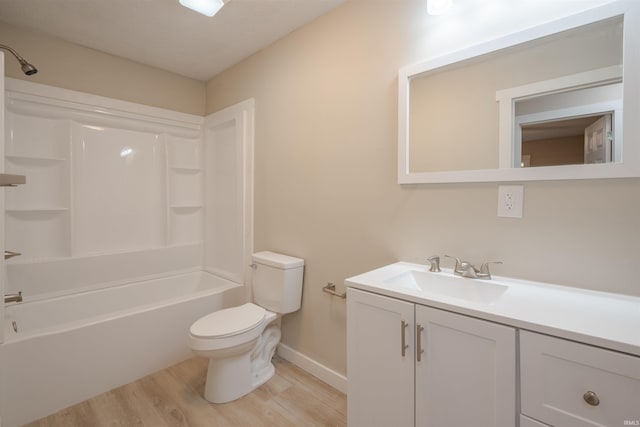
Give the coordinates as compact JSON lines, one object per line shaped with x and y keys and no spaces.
{"x":13,"y":297}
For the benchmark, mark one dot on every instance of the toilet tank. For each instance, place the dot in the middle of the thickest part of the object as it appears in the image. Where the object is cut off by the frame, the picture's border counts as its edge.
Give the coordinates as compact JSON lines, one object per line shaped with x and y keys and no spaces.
{"x":277,"y":281}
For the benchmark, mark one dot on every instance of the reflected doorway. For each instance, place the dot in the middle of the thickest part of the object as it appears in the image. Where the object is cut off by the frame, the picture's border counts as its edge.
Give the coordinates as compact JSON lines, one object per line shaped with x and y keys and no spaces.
{"x":570,"y":141}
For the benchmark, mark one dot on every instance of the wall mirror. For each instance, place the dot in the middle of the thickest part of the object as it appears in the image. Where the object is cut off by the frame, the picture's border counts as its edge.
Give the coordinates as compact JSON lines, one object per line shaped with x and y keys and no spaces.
{"x":556,"y":101}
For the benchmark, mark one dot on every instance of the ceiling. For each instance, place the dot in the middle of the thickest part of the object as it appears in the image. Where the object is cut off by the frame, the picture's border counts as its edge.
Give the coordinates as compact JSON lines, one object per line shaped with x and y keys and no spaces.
{"x":163,"y":34}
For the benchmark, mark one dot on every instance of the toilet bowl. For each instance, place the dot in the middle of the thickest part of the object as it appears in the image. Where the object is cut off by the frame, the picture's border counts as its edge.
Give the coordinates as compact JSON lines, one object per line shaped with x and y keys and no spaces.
{"x":240,"y":341}
{"x":232,"y":340}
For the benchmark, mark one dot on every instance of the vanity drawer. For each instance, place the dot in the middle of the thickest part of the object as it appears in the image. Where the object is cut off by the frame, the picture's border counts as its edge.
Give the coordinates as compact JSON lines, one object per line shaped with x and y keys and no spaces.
{"x":567,"y":384}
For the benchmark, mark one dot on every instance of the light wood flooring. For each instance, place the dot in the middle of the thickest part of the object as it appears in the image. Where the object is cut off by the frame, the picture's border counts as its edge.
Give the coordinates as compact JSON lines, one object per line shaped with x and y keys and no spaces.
{"x":173,"y":397}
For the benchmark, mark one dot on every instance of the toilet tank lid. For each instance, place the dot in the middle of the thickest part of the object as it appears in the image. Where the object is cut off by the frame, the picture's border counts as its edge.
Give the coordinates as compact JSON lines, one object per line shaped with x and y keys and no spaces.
{"x":277,"y":260}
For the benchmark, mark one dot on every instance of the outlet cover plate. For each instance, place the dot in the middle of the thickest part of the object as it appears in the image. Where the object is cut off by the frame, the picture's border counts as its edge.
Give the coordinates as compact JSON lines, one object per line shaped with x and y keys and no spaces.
{"x":510,"y":201}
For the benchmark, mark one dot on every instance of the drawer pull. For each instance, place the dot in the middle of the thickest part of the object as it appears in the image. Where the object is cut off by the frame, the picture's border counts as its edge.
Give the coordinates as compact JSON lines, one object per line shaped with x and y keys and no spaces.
{"x":591,"y":398}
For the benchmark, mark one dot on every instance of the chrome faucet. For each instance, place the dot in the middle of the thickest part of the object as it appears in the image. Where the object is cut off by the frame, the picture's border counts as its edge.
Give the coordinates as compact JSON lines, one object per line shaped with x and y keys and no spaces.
{"x":484,"y":272}
{"x":461,"y":267}
{"x":434,"y":261}
{"x":466,"y":269}
{"x":13,"y":297}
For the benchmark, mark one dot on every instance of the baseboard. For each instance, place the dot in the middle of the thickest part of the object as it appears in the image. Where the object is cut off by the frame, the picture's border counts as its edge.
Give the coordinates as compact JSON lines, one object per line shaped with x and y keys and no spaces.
{"x":318,"y":370}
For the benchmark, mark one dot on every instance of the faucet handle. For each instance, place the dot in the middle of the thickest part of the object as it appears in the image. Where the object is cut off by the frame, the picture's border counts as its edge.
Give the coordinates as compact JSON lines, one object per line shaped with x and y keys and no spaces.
{"x":457,"y":268}
{"x":454,"y":257}
{"x":435,"y":264}
{"x":484,"y":269}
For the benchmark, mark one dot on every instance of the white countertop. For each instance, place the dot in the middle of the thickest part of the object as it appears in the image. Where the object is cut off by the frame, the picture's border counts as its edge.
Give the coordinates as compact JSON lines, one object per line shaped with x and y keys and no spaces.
{"x":598,"y":318}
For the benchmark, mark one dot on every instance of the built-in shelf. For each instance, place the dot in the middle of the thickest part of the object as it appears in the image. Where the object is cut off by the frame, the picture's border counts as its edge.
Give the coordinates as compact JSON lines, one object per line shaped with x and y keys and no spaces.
{"x":39,"y":260}
{"x":186,"y":207}
{"x":184,"y":192}
{"x":10,"y":180}
{"x":34,"y":159}
{"x":12,"y":210}
{"x":185,"y":169}
{"x":192,"y":242}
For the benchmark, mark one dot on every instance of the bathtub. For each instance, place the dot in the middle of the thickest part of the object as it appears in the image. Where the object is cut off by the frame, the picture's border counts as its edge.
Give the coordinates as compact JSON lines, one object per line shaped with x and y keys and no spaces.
{"x":61,"y":351}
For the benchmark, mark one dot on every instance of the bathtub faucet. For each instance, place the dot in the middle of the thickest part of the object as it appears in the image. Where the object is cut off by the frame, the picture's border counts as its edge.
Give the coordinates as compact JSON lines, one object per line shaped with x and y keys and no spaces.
{"x":13,"y":297}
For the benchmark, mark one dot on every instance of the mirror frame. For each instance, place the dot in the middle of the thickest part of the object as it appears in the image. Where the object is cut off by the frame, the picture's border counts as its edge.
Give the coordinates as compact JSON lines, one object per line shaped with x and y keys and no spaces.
{"x":630,"y":165}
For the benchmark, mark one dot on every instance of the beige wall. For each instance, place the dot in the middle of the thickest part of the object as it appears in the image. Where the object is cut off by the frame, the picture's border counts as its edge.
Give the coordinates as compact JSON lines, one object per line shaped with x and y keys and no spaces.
{"x":326,"y":132}
{"x":74,"y":67}
{"x":326,"y":135}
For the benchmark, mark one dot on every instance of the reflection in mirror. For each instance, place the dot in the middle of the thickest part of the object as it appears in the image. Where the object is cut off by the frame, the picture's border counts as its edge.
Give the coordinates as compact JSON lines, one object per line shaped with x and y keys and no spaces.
{"x":569,"y":128}
{"x":556,"y":75}
{"x":576,"y":141}
{"x":453,"y":115}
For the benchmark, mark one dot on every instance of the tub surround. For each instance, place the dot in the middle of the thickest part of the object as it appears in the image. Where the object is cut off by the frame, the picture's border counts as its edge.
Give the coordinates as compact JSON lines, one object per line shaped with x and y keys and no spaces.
{"x":115,"y":190}
{"x":116,"y":195}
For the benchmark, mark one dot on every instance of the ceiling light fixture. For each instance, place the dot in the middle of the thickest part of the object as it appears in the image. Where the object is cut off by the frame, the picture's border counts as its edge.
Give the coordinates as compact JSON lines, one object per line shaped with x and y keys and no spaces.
{"x":205,"y":7}
{"x":437,"y":7}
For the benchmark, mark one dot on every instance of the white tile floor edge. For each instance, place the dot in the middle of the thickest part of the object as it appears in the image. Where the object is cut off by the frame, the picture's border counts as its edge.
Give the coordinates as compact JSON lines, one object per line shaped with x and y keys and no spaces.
{"x":318,"y":370}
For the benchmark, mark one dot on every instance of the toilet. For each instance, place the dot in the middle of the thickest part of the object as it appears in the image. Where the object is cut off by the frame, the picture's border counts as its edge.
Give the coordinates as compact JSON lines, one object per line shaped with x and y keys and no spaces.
{"x":240,"y":341}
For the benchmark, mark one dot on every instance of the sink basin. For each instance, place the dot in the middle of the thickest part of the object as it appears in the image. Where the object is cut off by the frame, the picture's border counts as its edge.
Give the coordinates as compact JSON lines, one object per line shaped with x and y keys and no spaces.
{"x":483,"y":291}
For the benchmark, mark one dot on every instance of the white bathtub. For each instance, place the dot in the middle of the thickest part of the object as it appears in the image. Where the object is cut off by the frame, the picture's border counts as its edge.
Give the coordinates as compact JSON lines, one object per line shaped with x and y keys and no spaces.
{"x":71,"y":348}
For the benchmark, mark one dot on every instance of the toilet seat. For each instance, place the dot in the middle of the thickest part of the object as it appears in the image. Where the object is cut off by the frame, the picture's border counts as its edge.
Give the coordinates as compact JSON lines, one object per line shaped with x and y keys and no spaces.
{"x":228,"y":322}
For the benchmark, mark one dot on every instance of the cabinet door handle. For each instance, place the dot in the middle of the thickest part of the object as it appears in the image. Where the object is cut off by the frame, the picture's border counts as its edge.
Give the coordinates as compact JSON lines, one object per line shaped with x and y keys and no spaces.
{"x":10,"y":254}
{"x":591,"y":398}
{"x":403,"y":334}
{"x":419,"y":349}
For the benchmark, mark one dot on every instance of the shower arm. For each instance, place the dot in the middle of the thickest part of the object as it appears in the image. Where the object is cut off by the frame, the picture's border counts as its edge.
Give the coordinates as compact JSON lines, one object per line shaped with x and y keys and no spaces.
{"x":27,"y":68}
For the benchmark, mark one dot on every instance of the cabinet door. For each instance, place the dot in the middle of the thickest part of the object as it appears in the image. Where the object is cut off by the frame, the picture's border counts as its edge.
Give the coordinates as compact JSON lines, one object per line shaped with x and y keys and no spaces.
{"x":380,"y":370}
{"x":466,"y":375}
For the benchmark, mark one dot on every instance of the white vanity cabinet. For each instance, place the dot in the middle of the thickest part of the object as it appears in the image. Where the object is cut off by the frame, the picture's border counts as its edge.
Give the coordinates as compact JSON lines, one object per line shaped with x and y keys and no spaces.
{"x":412,"y":365}
{"x":564,"y":383}
{"x":380,"y":362}
{"x":500,"y":352}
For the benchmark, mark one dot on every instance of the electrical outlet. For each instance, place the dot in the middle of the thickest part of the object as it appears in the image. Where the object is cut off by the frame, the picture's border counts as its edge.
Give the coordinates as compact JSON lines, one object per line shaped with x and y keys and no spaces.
{"x":510,"y":201}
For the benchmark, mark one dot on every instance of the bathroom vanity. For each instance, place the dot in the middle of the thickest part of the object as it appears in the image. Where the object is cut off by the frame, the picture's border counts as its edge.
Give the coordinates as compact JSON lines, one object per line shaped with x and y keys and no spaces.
{"x":435,"y":349}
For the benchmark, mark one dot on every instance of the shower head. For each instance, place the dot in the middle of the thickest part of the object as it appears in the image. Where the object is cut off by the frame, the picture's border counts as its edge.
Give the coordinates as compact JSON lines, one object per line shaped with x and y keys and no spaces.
{"x":27,"y":68}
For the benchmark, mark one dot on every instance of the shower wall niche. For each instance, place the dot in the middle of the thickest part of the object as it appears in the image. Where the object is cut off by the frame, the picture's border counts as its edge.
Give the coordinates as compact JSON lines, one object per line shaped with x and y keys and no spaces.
{"x":184,"y":190}
{"x":37,"y":221}
{"x":104,"y":178}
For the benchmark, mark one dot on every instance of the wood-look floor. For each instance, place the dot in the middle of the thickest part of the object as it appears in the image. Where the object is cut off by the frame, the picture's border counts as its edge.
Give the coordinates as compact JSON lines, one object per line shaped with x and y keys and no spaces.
{"x":173,"y":397}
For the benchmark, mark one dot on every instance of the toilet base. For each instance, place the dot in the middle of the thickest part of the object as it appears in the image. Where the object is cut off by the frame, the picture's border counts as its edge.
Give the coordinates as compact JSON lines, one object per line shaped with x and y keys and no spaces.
{"x":225,"y":379}
{"x":230,"y":378}
{"x":264,"y":376}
